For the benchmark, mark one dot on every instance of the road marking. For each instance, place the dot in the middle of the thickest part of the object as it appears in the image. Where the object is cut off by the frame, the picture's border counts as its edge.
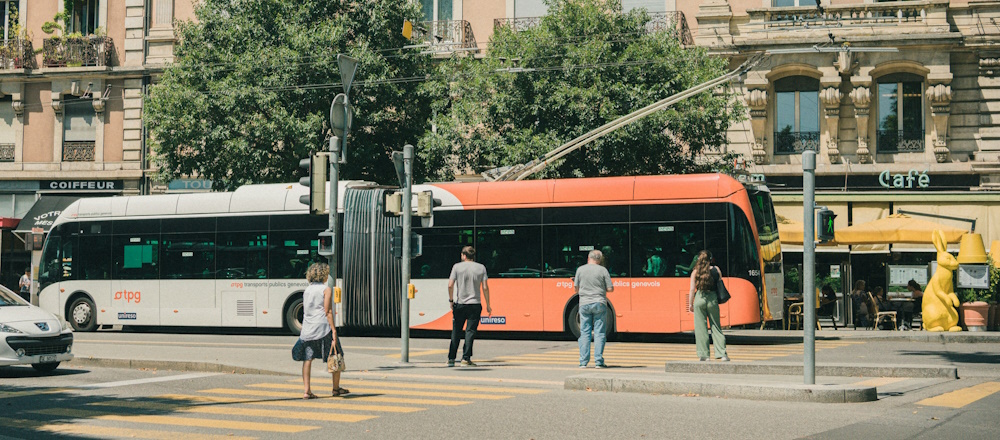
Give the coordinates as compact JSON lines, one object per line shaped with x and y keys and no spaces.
{"x":15,"y":394}
{"x":328,"y":403}
{"x":451,"y":378}
{"x":485,"y":389}
{"x":377,"y":390}
{"x":962,"y":397}
{"x":107,"y":431}
{"x":880,"y":381}
{"x":174,"y":420}
{"x":149,"y":380}
{"x":419,"y":353}
{"x":198,"y":344}
{"x":348,"y":398}
{"x":230,"y":411}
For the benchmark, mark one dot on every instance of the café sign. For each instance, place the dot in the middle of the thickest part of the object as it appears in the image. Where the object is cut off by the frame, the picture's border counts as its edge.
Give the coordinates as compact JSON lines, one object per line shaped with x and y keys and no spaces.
{"x":904,"y":181}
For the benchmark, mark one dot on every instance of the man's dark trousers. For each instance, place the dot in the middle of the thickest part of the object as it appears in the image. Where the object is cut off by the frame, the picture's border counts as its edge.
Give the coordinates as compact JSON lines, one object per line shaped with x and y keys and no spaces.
{"x":460,"y":314}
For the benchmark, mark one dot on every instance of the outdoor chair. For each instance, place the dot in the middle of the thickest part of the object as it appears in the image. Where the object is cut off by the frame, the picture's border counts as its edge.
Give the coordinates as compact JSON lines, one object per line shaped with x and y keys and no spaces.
{"x":879,"y":316}
{"x":827,"y":310}
{"x":795,"y":316}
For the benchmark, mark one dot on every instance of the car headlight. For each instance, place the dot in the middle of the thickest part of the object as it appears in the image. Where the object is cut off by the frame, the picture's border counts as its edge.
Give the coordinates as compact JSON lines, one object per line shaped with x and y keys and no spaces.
{"x":4,"y":328}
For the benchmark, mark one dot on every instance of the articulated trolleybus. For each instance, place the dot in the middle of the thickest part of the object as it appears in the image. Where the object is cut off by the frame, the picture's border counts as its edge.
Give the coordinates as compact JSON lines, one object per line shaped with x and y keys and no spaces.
{"x":238,"y":259}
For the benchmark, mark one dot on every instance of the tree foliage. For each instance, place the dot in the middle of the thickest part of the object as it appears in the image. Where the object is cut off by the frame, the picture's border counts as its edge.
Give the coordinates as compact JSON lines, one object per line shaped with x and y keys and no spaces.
{"x":249,"y":91}
{"x":585,"y":64}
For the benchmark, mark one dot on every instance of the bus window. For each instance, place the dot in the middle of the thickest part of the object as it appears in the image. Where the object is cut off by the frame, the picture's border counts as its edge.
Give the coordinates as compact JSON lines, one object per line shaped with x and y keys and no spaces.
{"x":243,"y":223}
{"x":457,"y":218}
{"x":95,"y":237}
{"x":743,"y":258}
{"x":510,"y":251}
{"x":565,"y":248}
{"x":506,"y":217}
{"x":188,"y":256}
{"x":135,"y":256}
{"x":241,"y":255}
{"x":665,"y":249}
{"x":442,"y":249}
{"x":586,"y":215}
{"x":188,"y":224}
{"x":291,"y":253}
{"x":50,"y":270}
{"x":683,"y":212}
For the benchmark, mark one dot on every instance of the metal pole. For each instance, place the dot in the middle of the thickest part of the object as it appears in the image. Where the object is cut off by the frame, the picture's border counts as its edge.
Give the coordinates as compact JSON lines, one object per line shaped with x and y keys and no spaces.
{"x":809,"y":264}
{"x":404,"y":356}
{"x":334,"y":217}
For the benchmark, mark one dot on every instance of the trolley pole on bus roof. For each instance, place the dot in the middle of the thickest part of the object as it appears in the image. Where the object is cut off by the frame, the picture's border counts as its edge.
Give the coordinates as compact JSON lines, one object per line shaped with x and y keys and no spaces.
{"x":809,"y":265}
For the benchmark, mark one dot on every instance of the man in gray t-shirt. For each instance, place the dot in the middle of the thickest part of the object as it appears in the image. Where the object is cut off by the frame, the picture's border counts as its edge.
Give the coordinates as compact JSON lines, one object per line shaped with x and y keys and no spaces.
{"x":466,"y":307}
{"x":593,"y":283}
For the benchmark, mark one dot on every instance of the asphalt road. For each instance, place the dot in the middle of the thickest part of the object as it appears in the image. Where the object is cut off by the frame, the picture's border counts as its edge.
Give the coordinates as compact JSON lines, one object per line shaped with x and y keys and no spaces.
{"x":516,"y":392}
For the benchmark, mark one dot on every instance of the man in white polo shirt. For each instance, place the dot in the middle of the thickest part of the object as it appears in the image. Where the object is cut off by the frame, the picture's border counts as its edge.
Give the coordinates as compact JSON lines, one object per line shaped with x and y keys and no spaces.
{"x":466,"y":308}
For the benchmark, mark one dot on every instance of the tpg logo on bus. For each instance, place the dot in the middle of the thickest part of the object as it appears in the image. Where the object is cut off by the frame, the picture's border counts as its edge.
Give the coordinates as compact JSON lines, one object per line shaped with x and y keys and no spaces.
{"x":128,"y":296}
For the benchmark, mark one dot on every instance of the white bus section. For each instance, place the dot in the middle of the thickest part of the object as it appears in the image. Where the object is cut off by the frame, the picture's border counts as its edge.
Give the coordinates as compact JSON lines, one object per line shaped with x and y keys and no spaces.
{"x":236,"y":302}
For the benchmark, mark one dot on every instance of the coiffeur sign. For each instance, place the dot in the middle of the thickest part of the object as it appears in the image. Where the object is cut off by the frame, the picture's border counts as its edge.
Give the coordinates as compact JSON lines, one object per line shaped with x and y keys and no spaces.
{"x":904,"y":181}
{"x":81,"y":185}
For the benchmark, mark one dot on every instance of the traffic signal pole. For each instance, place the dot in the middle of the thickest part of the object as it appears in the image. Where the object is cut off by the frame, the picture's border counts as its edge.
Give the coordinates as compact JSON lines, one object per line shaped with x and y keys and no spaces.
{"x":404,"y":355}
{"x":334,"y":218}
{"x":809,"y":265}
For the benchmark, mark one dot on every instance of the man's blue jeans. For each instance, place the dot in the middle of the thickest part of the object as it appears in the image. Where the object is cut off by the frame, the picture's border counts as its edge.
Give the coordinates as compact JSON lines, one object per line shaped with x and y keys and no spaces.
{"x":593,"y":318}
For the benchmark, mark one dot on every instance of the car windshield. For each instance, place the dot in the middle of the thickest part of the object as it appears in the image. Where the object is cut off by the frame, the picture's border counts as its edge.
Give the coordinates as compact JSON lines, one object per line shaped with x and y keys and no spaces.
{"x":8,"y":298}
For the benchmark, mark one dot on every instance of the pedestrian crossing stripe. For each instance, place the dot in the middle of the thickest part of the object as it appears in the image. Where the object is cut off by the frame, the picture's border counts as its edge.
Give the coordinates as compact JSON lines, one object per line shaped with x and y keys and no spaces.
{"x":347,"y":398}
{"x":110,"y":431}
{"x":376,"y":390}
{"x":325,"y":405}
{"x":248,"y":412}
{"x":962,"y":397}
{"x":173,"y":420}
{"x":441,"y":387}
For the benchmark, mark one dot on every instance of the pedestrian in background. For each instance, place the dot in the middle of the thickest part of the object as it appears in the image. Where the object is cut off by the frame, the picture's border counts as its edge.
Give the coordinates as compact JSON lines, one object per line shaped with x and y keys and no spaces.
{"x":593,"y":283}
{"x":24,"y":285}
{"x":467,"y":277}
{"x":318,"y":333}
{"x":912,"y":307}
{"x":859,"y":300}
{"x":703,"y":301}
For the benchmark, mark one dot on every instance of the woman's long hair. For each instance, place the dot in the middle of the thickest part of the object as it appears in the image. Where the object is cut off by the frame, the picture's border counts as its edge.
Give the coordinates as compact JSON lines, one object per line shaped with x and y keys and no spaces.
{"x":702,"y":268}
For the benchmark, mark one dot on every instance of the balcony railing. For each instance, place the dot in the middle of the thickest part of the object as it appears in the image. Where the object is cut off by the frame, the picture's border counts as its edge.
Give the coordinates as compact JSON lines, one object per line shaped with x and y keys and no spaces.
{"x":446,"y":35}
{"x":78,"y":151}
{"x":659,"y":21}
{"x":78,"y":51}
{"x":6,"y":152}
{"x":851,"y":16}
{"x":900,"y":141}
{"x":17,"y":54}
{"x":791,"y":142}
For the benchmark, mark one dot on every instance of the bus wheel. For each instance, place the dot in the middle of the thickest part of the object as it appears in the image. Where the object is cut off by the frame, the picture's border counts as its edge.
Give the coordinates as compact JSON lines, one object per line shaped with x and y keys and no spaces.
{"x":293,"y":316}
{"x":573,"y":321}
{"x":81,"y":315}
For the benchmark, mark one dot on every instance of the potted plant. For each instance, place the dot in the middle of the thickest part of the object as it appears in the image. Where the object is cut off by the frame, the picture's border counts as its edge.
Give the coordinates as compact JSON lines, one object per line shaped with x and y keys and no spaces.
{"x":974,"y":310}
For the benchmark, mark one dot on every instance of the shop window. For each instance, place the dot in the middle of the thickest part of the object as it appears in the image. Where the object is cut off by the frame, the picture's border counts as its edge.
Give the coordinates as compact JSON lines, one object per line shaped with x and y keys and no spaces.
{"x":900,"y":114}
{"x":796,"y":126}
{"x":83,"y":17}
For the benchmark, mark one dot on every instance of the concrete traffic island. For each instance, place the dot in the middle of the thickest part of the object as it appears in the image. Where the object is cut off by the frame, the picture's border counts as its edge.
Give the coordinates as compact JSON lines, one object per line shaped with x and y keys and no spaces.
{"x":727,"y":386}
{"x":796,"y":369}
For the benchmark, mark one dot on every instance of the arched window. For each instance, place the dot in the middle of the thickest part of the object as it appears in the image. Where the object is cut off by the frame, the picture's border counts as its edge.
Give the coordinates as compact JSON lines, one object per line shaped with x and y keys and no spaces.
{"x":796,"y":119}
{"x":900,"y":113}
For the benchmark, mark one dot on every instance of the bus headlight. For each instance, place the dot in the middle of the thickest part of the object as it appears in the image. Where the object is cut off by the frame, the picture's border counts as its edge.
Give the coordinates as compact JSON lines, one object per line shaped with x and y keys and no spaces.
{"x":4,"y":328}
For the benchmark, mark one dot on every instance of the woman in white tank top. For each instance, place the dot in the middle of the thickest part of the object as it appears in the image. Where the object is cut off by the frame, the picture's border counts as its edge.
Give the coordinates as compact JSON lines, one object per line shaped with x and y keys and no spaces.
{"x":318,"y":331}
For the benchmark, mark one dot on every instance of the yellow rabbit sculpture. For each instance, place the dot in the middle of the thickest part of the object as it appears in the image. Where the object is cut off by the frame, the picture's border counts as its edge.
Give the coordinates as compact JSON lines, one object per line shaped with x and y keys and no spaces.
{"x":939,"y":300}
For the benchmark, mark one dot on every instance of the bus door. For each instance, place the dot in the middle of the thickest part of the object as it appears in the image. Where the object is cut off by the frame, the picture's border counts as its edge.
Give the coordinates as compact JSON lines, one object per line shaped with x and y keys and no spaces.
{"x":187,"y":280}
{"x":135,"y":285}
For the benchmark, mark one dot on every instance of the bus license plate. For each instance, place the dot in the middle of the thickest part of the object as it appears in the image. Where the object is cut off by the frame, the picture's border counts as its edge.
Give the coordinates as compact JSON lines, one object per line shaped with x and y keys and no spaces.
{"x":48,"y":358}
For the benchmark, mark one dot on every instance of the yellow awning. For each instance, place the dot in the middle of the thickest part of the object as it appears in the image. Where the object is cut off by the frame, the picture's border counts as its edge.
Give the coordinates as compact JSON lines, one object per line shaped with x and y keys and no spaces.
{"x":789,"y":231}
{"x":896,"y":228}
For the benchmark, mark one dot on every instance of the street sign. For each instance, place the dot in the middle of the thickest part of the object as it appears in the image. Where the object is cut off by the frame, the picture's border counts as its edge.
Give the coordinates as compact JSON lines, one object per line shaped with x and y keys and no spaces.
{"x":348,"y":66}
{"x":341,"y":115}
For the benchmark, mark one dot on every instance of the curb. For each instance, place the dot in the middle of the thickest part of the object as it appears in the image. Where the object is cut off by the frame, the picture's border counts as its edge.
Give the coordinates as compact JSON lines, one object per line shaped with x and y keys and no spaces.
{"x":749,"y":391}
{"x":794,"y":369}
{"x":935,"y":337}
{"x":171,"y":365}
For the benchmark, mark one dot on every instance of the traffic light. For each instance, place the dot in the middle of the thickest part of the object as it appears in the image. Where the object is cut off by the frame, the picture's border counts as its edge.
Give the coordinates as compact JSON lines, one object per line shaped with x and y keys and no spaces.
{"x":416,"y":243}
{"x":426,"y":204}
{"x":393,"y":203}
{"x":325,"y":247}
{"x":315,"y":179}
{"x":824,"y":225}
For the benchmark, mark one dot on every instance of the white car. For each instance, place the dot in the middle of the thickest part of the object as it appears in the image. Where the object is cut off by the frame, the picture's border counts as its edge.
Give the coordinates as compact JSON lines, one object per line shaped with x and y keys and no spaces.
{"x":30,"y":335}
